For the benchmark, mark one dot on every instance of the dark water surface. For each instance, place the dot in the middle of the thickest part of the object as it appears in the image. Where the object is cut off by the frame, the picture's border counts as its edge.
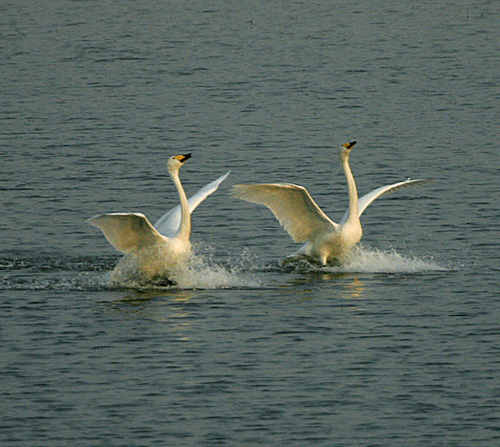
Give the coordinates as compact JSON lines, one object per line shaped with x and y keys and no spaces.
{"x":400,"y":347}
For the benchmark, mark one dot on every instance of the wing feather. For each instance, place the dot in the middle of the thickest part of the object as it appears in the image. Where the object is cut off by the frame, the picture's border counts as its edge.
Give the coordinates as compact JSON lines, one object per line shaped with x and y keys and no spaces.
{"x":367,"y":199}
{"x":127,"y":232}
{"x":292,"y":205}
{"x":169,"y":223}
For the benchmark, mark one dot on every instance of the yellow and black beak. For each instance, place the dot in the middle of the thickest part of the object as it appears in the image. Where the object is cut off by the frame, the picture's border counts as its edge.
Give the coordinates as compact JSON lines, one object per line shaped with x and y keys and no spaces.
{"x":183,"y":158}
{"x":349,"y":145}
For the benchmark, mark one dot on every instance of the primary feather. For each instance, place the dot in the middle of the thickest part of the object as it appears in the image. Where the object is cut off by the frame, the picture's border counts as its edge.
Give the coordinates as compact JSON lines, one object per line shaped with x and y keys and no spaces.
{"x":292,"y":205}
{"x":169,"y":223}
{"x":127,"y":232}
{"x":147,"y":251}
{"x":302,"y":218}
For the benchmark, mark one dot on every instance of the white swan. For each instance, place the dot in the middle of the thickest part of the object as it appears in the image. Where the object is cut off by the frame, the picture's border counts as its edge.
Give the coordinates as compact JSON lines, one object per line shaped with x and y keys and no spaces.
{"x":301,"y":217}
{"x":154,"y":251}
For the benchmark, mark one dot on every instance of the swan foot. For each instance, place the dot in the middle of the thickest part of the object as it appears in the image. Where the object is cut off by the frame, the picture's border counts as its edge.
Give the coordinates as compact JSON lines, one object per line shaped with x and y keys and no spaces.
{"x":298,"y":261}
{"x":292,"y":258}
{"x":142,"y":282}
{"x":313,"y":262}
{"x":334,"y":262}
{"x":286,"y":261}
{"x":161,"y":281}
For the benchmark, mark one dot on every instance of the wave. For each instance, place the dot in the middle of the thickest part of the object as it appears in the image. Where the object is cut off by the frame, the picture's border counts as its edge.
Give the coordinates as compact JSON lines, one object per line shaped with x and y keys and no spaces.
{"x":377,"y":261}
{"x":53,"y":272}
{"x":203,"y":271}
{"x":56,"y":262}
{"x":365,"y":260}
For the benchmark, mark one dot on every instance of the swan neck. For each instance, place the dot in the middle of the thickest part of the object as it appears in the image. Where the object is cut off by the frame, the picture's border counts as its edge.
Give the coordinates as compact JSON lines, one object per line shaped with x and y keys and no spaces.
{"x":352,"y":190}
{"x":185,"y":226}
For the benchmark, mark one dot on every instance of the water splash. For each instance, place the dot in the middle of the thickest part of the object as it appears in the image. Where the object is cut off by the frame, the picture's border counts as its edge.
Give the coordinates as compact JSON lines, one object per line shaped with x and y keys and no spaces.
{"x":199,"y":271}
{"x":204,"y":270}
{"x":365,"y":260}
{"x":205,"y":273}
{"x":377,"y":261}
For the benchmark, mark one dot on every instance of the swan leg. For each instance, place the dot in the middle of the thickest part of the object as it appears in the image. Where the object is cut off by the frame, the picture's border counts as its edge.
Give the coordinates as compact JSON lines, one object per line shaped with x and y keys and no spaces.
{"x":288,"y":259}
{"x":303,"y":253}
{"x":300,"y":257}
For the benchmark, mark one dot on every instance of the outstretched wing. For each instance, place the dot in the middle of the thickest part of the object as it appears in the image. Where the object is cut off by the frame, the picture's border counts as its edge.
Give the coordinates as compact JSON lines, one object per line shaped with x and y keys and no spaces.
{"x":365,"y":200}
{"x":292,"y":205}
{"x":169,"y":223}
{"x":127,"y":232}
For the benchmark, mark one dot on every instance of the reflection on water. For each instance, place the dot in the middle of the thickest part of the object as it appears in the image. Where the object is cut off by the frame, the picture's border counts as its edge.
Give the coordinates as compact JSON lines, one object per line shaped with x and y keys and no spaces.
{"x":146,"y":295}
{"x":240,"y":351}
{"x":354,"y":289}
{"x":351,"y":286}
{"x":174,"y":308}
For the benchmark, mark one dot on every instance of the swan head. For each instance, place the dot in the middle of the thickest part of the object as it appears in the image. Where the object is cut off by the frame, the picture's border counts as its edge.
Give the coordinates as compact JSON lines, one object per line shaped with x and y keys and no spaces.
{"x":174,"y":163}
{"x":345,"y":150}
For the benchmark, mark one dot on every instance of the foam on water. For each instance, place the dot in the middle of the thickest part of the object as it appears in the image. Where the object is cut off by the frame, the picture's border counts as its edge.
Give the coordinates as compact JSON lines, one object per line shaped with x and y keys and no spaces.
{"x":365,"y":260}
{"x":199,"y":271}
{"x":202,"y":274}
{"x":202,"y":271}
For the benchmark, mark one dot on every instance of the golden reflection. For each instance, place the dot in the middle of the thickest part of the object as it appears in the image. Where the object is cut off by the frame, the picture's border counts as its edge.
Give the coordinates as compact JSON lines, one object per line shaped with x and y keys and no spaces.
{"x":140,"y":296}
{"x":352,"y":288}
{"x":171,"y":307}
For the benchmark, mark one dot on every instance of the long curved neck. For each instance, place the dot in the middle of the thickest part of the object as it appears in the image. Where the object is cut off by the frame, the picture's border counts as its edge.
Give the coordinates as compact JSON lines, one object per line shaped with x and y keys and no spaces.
{"x":185,"y":226}
{"x":353,"y":192}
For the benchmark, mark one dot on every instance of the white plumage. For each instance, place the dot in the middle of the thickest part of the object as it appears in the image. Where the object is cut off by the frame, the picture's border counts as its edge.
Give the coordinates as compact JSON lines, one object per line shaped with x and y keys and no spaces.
{"x":154,"y":251}
{"x":305,"y":222}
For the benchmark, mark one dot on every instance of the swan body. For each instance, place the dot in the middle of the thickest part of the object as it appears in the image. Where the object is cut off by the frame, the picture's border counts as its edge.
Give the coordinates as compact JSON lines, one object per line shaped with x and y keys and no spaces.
{"x":154,"y":251}
{"x":324,"y":240}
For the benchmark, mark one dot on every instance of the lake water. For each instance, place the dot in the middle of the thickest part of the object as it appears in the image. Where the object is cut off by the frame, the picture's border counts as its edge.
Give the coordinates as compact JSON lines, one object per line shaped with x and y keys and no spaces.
{"x":400,"y":347}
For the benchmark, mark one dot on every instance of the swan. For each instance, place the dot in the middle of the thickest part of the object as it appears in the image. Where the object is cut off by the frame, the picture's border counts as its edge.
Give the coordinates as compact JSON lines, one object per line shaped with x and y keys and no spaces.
{"x":154,"y":251}
{"x":325,"y":240}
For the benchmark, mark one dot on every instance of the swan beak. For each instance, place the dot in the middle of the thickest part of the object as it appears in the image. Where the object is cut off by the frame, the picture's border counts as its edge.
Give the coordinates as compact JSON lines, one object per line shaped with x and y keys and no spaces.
{"x":349,"y":145}
{"x":183,"y":158}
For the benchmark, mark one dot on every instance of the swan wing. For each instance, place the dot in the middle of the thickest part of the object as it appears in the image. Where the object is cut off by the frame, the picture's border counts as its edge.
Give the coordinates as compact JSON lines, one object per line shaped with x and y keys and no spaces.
{"x":367,"y":199}
{"x":292,"y":205}
{"x":127,"y":232}
{"x":168,"y":224}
